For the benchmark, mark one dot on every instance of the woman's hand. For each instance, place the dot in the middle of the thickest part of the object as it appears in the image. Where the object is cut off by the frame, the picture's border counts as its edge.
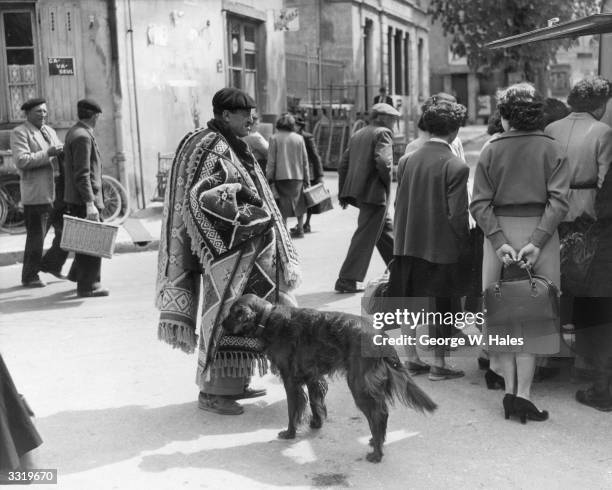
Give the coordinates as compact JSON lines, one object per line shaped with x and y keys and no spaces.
{"x":528,"y":255}
{"x":506,"y":254}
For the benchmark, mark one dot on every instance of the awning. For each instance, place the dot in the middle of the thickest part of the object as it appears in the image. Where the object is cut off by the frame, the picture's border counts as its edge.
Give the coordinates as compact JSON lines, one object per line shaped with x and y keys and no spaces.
{"x":591,"y":25}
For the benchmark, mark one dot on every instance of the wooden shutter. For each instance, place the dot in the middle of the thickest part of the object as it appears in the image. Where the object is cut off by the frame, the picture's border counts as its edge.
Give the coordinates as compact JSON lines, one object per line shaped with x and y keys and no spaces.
{"x":60,"y":36}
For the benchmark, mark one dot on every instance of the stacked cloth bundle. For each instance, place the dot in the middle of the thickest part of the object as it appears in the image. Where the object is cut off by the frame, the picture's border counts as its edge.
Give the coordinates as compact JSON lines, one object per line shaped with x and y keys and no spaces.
{"x":222,"y":237}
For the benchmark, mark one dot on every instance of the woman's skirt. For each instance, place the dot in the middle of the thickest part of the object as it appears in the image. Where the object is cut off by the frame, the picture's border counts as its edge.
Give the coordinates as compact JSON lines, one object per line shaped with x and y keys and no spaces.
{"x":291,"y":202}
{"x":413,"y":276}
{"x":538,"y":338}
{"x":17,"y":432}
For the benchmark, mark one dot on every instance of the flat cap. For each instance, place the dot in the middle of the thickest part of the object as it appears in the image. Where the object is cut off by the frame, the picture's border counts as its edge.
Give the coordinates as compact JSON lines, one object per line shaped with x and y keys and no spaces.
{"x":89,"y":104}
{"x":232,"y":99}
{"x":31,"y":103}
{"x":385,"y":109}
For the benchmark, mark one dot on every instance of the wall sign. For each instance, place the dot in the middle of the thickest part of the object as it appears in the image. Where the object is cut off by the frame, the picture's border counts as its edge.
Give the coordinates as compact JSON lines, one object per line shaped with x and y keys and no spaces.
{"x":61,"y":66}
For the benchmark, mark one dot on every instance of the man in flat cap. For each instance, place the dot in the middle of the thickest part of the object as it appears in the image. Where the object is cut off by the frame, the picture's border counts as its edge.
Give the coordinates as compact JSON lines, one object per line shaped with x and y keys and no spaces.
{"x":36,"y":149}
{"x":83,"y":191}
{"x":365,"y":182}
{"x":222,"y":231}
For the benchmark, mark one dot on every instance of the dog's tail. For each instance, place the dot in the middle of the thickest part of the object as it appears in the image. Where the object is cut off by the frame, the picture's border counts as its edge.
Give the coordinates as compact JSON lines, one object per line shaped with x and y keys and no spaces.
{"x":393,"y":377}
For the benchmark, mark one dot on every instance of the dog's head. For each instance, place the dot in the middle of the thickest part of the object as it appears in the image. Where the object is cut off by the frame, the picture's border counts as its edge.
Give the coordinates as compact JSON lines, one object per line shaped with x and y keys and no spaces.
{"x":244,"y":315}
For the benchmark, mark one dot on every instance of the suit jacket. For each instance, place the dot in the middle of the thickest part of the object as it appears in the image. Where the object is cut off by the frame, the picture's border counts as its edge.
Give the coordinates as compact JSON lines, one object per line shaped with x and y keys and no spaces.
{"x":83,"y":167}
{"x":587,"y":143}
{"x":388,"y":100}
{"x":29,"y":149}
{"x":365,"y":168}
{"x":314,"y":160}
{"x":431,"y":210}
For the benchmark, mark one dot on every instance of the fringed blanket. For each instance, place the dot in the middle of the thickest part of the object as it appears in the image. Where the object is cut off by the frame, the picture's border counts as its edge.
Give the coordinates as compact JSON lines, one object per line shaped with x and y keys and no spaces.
{"x":221,"y":232}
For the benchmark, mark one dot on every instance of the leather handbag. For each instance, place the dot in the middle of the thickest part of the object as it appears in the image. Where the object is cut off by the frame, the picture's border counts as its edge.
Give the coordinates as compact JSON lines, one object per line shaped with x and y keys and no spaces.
{"x":520,"y":296}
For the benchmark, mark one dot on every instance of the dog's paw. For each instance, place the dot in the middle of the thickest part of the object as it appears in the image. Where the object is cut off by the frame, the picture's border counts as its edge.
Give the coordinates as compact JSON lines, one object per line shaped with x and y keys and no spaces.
{"x":374,"y":457}
{"x":286,"y":434}
{"x":316,"y":423}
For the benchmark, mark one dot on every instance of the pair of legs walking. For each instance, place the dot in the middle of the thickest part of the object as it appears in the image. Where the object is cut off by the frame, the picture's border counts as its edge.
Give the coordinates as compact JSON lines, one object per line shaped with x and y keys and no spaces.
{"x":38,"y":219}
{"x":374,"y":229}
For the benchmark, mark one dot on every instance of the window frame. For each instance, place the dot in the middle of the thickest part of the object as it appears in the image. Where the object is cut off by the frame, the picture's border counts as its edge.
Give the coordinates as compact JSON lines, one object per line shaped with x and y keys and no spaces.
{"x":5,"y":101}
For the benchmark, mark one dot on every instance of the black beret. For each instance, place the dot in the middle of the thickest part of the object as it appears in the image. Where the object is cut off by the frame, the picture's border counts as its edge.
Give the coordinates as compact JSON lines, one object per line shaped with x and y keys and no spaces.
{"x":89,"y":104}
{"x":31,"y":103}
{"x":232,"y":99}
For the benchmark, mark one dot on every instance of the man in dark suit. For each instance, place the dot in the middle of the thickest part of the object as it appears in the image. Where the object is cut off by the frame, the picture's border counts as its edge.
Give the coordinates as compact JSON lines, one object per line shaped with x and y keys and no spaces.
{"x":36,"y":151}
{"x":382,"y":97}
{"x":365,"y":182}
{"x":83,"y":191}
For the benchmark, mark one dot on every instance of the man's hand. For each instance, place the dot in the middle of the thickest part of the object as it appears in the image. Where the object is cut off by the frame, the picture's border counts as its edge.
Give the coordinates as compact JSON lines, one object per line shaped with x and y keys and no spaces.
{"x":55,"y":150}
{"x":528,"y":255}
{"x":92,"y":212}
{"x":506,"y":254}
{"x":343,"y":202}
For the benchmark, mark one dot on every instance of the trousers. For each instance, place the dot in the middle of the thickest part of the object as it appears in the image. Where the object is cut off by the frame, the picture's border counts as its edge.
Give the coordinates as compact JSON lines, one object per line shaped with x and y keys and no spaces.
{"x":85,"y":270}
{"x":374,"y":229}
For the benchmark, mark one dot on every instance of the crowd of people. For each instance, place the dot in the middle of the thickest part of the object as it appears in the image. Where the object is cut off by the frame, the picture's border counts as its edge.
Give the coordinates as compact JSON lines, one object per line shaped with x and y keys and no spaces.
{"x":541,"y":190}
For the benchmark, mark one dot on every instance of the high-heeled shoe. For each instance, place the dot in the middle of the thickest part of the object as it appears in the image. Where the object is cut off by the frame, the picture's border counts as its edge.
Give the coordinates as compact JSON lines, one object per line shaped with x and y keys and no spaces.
{"x":527,"y":410}
{"x":494,"y":381}
{"x":483,"y":363}
{"x":508,"y":405}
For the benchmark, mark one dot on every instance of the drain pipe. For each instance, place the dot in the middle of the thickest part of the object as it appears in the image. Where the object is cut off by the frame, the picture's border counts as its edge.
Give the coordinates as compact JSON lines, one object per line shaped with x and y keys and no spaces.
{"x":140,"y":192}
{"x":119,"y":158}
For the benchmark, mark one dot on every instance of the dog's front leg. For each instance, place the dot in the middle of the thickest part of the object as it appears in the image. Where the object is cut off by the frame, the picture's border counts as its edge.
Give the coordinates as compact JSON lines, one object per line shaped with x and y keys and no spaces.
{"x":296,"y":402}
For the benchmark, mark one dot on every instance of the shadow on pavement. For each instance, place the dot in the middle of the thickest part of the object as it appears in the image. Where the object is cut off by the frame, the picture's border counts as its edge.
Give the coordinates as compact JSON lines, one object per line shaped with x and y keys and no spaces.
{"x":59,"y":300}
{"x":182,"y":436}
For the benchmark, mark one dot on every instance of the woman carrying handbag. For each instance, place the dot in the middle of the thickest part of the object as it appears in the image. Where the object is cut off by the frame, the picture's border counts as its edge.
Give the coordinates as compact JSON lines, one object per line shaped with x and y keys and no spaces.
{"x":519,"y":199}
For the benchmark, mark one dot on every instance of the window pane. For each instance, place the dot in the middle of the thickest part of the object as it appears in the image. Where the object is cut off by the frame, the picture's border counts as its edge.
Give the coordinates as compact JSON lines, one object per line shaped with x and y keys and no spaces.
{"x":249,"y":33}
{"x":249,"y":83}
{"x":18,"y":29}
{"x":19,"y":56}
{"x":236,"y":80}
{"x":236,"y":50}
{"x":249,"y":61}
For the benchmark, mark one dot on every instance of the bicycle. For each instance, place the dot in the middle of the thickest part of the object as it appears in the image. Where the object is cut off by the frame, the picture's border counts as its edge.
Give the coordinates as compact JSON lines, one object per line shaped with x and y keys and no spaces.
{"x":116,"y":203}
{"x":12,"y":219}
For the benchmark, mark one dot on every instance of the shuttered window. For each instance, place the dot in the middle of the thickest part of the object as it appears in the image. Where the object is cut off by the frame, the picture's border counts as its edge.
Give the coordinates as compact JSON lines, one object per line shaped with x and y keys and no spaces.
{"x":19,"y":66}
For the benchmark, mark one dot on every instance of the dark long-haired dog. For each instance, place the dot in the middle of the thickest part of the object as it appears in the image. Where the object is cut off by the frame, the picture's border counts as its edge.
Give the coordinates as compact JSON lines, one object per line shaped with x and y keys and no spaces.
{"x":305,"y":345}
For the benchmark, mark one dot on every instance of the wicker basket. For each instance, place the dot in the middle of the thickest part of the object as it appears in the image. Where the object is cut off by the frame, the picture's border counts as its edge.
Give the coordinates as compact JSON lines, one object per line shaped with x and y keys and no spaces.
{"x":316,"y":194}
{"x":88,"y":237}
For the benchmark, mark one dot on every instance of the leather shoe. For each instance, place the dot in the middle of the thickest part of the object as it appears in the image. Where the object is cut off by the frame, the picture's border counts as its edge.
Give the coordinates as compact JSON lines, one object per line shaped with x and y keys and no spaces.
{"x":94,"y":293}
{"x":220,"y":405}
{"x":347,"y":286}
{"x":247,"y":393}
{"x":34,"y":283}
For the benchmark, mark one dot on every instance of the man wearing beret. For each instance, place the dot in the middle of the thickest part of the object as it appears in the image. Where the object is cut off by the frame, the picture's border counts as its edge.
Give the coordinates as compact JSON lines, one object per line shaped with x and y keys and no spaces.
{"x":365,"y":182}
{"x":83,"y":191}
{"x":36,"y":148}
{"x":222,"y":232}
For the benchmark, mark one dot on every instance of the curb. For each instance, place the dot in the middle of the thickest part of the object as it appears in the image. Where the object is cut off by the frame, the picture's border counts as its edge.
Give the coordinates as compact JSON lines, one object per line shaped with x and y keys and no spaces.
{"x":16,"y":257}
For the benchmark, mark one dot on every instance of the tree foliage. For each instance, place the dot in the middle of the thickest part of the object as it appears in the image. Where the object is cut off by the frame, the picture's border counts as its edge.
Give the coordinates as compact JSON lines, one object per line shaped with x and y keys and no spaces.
{"x":474,"y":23}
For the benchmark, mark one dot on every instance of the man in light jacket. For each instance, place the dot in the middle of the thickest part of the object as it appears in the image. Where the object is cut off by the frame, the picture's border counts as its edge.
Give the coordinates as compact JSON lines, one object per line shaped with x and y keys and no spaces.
{"x":365,"y":182}
{"x":36,"y":147}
